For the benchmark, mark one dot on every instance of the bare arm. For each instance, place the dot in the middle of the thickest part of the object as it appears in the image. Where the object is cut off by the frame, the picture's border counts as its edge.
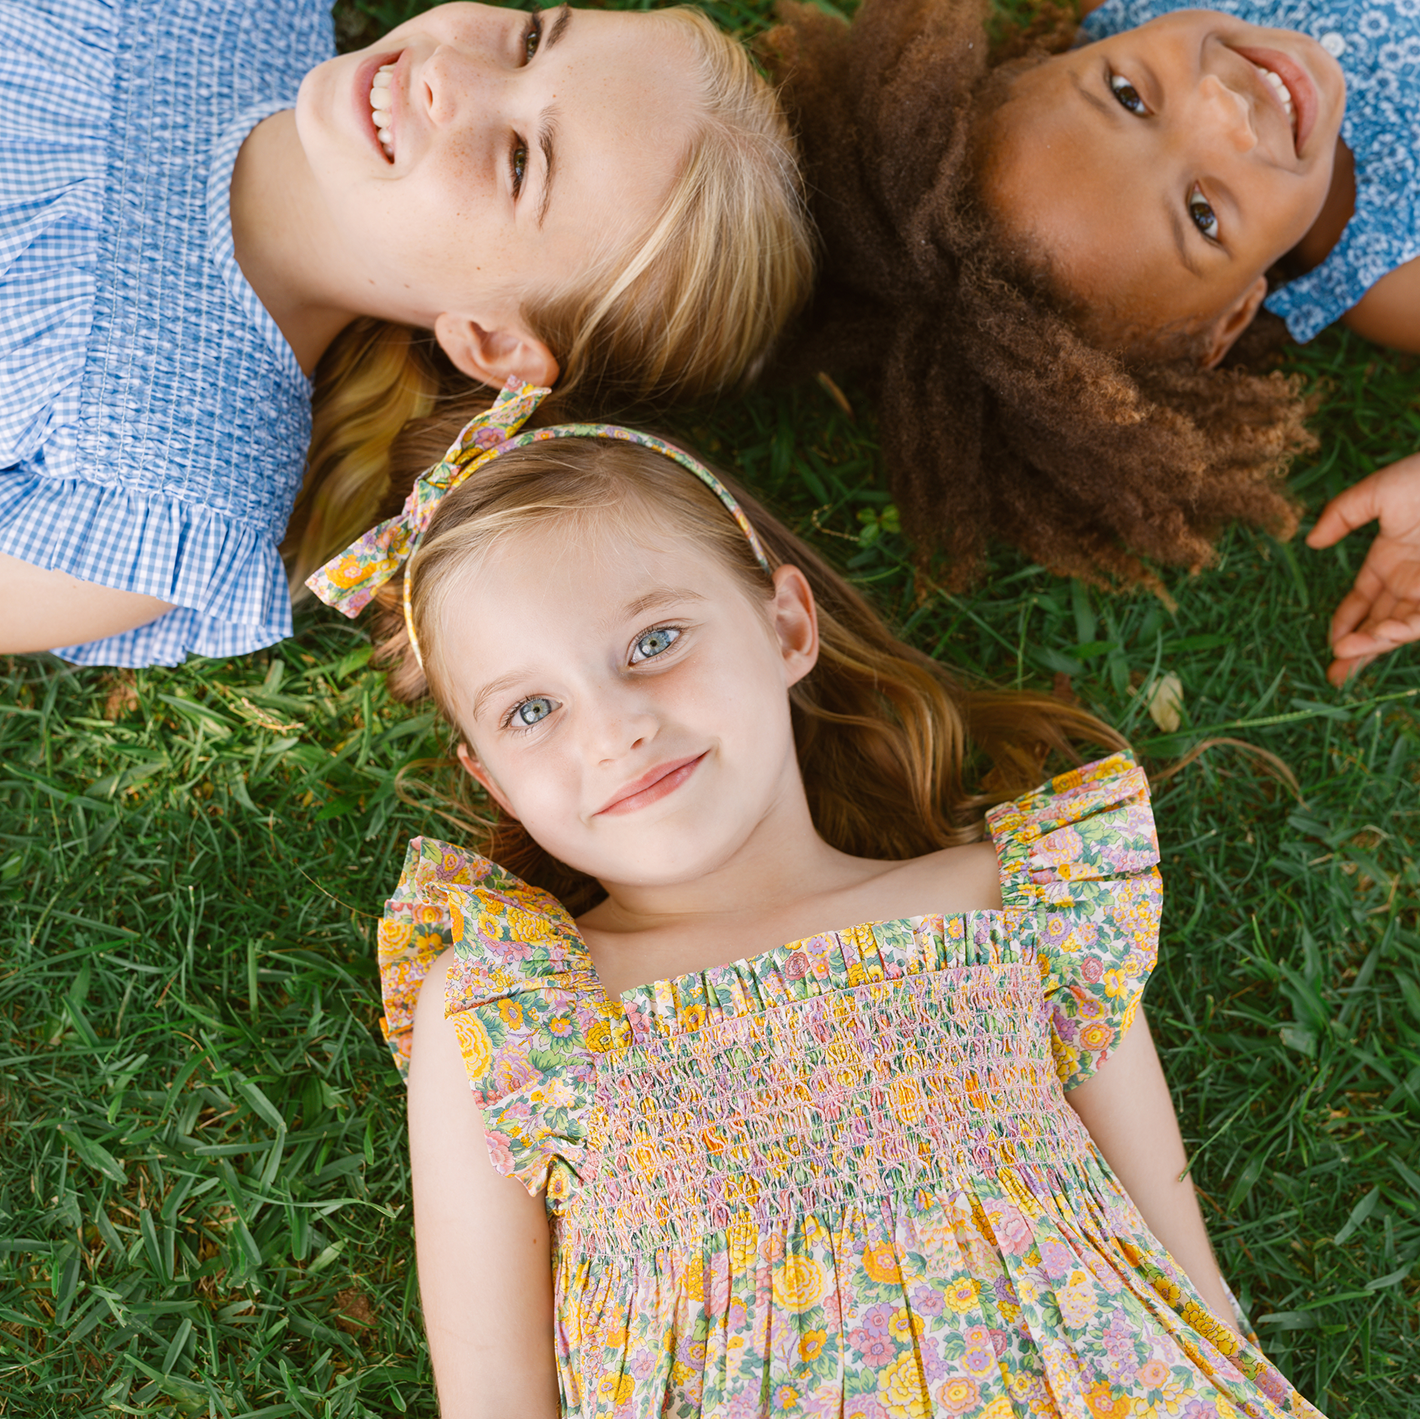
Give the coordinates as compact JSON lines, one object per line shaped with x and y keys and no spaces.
{"x":42,"y":609}
{"x":1126,"y":1107}
{"x":483,"y":1246}
{"x":1389,"y":313}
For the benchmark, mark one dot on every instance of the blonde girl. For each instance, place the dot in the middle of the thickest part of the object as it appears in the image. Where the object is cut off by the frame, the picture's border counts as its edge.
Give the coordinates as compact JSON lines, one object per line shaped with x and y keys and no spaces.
{"x":208,"y":221}
{"x":752,"y":1070}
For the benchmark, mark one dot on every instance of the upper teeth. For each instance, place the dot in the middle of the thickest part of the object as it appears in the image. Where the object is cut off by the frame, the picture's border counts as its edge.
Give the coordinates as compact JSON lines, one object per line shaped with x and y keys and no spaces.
{"x":1279,"y":86}
{"x":382,"y":103}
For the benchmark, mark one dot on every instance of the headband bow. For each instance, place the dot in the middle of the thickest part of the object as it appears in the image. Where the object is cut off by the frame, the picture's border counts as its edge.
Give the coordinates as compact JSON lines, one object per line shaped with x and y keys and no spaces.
{"x":349,"y":580}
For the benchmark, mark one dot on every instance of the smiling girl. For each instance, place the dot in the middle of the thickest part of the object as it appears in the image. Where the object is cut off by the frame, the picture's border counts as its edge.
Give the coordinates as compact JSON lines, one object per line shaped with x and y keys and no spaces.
{"x":1067,"y":243}
{"x":208,"y":221}
{"x":797,"y":1086}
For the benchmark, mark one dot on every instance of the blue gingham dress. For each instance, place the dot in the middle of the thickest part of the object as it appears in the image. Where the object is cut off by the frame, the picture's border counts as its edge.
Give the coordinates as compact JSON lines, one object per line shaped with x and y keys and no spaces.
{"x":1377,"y":43}
{"x":153,"y":420}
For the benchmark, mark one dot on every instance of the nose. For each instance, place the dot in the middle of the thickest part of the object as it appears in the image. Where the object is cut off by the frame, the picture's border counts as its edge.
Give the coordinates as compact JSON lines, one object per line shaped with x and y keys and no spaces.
{"x":454,"y":82}
{"x":621,"y":724}
{"x":1225,"y":114}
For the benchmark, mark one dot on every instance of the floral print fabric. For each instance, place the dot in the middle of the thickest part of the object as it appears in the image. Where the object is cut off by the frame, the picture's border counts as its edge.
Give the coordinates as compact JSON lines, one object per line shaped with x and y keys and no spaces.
{"x":840,"y":1177}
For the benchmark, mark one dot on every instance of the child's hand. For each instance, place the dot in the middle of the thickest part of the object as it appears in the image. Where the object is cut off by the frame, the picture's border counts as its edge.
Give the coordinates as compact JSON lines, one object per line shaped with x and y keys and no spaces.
{"x":1382,"y":611}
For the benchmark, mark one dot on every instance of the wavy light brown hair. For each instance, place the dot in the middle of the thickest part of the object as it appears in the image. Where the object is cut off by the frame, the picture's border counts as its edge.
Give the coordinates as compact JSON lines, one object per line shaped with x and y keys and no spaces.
{"x":1002,"y":414}
{"x":682,"y":311}
{"x":888,"y":740}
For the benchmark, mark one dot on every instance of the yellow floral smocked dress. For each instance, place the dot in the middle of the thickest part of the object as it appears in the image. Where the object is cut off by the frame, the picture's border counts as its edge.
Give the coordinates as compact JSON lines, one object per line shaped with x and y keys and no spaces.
{"x":840,"y":1177}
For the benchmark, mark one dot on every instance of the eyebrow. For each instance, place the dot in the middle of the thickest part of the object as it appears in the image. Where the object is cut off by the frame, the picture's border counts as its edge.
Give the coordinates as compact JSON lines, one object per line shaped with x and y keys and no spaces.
{"x":496,"y":687}
{"x":546,"y":139}
{"x":658,"y":596}
{"x":547,"y":130}
{"x":1110,"y":111}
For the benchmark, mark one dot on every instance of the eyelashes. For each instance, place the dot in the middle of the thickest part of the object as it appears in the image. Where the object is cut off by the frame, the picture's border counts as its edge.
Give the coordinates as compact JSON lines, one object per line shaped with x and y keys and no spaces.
{"x":518,"y":157}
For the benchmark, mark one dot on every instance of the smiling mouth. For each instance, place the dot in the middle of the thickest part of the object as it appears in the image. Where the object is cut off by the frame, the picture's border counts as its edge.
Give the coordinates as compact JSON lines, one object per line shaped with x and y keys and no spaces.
{"x":382,"y":108}
{"x":663,"y":780}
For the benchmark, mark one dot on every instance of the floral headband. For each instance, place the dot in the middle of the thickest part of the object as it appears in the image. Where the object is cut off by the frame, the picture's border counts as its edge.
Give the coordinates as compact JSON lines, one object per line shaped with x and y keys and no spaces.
{"x":349,"y":580}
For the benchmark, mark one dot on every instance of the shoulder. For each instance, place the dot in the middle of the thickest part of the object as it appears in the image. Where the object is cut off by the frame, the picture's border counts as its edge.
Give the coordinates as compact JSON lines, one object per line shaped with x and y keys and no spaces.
{"x":1389,"y":313}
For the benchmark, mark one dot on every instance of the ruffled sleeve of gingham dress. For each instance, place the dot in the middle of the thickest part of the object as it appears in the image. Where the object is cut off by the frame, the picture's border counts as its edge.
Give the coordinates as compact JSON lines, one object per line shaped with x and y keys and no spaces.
{"x":154,"y":421}
{"x":841,"y":1177}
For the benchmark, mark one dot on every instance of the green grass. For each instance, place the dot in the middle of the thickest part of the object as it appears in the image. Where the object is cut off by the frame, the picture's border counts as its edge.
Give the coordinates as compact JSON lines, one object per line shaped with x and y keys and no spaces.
{"x":204,"y":1202}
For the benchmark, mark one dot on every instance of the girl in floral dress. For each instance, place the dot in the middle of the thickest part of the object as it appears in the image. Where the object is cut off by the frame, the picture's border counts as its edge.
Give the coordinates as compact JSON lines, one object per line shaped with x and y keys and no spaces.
{"x":754,"y":1072}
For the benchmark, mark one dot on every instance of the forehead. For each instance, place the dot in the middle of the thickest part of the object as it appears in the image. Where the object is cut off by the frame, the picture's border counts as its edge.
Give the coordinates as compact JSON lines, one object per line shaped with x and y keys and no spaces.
{"x":623,"y":105}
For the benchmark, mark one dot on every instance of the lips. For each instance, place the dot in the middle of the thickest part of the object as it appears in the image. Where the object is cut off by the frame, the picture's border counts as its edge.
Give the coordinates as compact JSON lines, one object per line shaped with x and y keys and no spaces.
{"x":1301,"y":90}
{"x":652,"y":786}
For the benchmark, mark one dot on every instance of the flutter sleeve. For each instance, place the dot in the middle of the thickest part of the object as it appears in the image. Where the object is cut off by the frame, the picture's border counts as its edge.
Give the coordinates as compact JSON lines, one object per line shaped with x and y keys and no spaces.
{"x":1081,"y":856}
{"x":414,"y":929}
{"x":531,"y":1017}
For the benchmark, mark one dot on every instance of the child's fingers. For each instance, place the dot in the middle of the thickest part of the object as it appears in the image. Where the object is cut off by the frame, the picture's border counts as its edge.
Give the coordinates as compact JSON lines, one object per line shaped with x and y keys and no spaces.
{"x":1340,"y":671}
{"x":1350,"y":509}
{"x":1355,"y":607}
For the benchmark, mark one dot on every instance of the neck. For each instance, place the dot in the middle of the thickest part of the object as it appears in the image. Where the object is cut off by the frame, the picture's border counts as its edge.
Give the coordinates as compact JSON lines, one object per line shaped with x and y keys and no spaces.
{"x":778,"y":879}
{"x":285,"y":243}
{"x":1336,"y":212}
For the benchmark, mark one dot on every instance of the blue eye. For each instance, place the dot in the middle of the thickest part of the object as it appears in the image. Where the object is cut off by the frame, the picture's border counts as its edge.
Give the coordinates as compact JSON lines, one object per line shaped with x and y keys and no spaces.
{"x":1204,"y":218}
{"x":654,"y":642}
{"x":531,"y":711}
{"x":1128,"y":96}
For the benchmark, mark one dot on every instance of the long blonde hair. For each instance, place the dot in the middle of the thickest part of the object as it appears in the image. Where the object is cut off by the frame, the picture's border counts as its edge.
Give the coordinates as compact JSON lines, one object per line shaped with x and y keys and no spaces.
{"x":885,"y":735}
{"x":688,"y":310}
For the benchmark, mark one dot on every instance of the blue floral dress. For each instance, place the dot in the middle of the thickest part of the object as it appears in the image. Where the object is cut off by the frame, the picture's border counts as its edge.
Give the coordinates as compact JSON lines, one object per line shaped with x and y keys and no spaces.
{"x":1377,"y":44}
{"x":840,"y":1177}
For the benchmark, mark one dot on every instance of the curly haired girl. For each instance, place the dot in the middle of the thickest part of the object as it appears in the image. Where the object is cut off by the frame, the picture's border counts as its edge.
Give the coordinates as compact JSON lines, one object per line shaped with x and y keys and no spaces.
{"x":208,"y":220}
{"x":799,"y":1087}
{"x":1052,"y":250}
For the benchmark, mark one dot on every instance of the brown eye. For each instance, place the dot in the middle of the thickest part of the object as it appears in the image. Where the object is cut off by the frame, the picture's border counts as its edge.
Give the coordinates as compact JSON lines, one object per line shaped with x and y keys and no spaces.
{"x":1128,"y":96}
{"x":1204,"y":218}
{"x":518,"y":164}
{"x":533,"y":36}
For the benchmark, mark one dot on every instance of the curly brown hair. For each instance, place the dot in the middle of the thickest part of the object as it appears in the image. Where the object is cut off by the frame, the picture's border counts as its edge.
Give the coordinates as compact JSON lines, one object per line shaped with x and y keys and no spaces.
{"x":1002,"y":415}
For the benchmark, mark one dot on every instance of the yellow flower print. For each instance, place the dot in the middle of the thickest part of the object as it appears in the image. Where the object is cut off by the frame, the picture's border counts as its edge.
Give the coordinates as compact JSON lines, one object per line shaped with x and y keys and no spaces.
{"x":1117,"y":983}
{"x":907,"y":1100}
{"x":393,"y":935}
{"x":615,"y":1391}
{"x":683,"y":1373}
{"x":1077,"y":1302}
{"x":958,"y":1395}
{"x":600,"y":1037}
{"x":473,"y":1041}
{"x":999,"y":1409}
{"x":901,"y":1388}
{"x":811,"y":1344}
{"x":880,"y":1262}
{"x":1104,"y":1402}
{"x":905,"y":1326}
{"x":428,"y":942}
{"x":786,"y":1398}
{"x":743,"y":1240}
{"x":512,"y":1014}
{"x":961,"y":1295}
{"x":798,"y":1283}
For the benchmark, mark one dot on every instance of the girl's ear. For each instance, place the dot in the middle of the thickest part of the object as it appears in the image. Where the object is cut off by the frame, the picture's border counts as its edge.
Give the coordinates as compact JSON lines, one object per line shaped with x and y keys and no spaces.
{"x":472,"y":766}
{"x":795,"y":620}
{"x":1233,"y":322}
{"x":491,"y":356}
